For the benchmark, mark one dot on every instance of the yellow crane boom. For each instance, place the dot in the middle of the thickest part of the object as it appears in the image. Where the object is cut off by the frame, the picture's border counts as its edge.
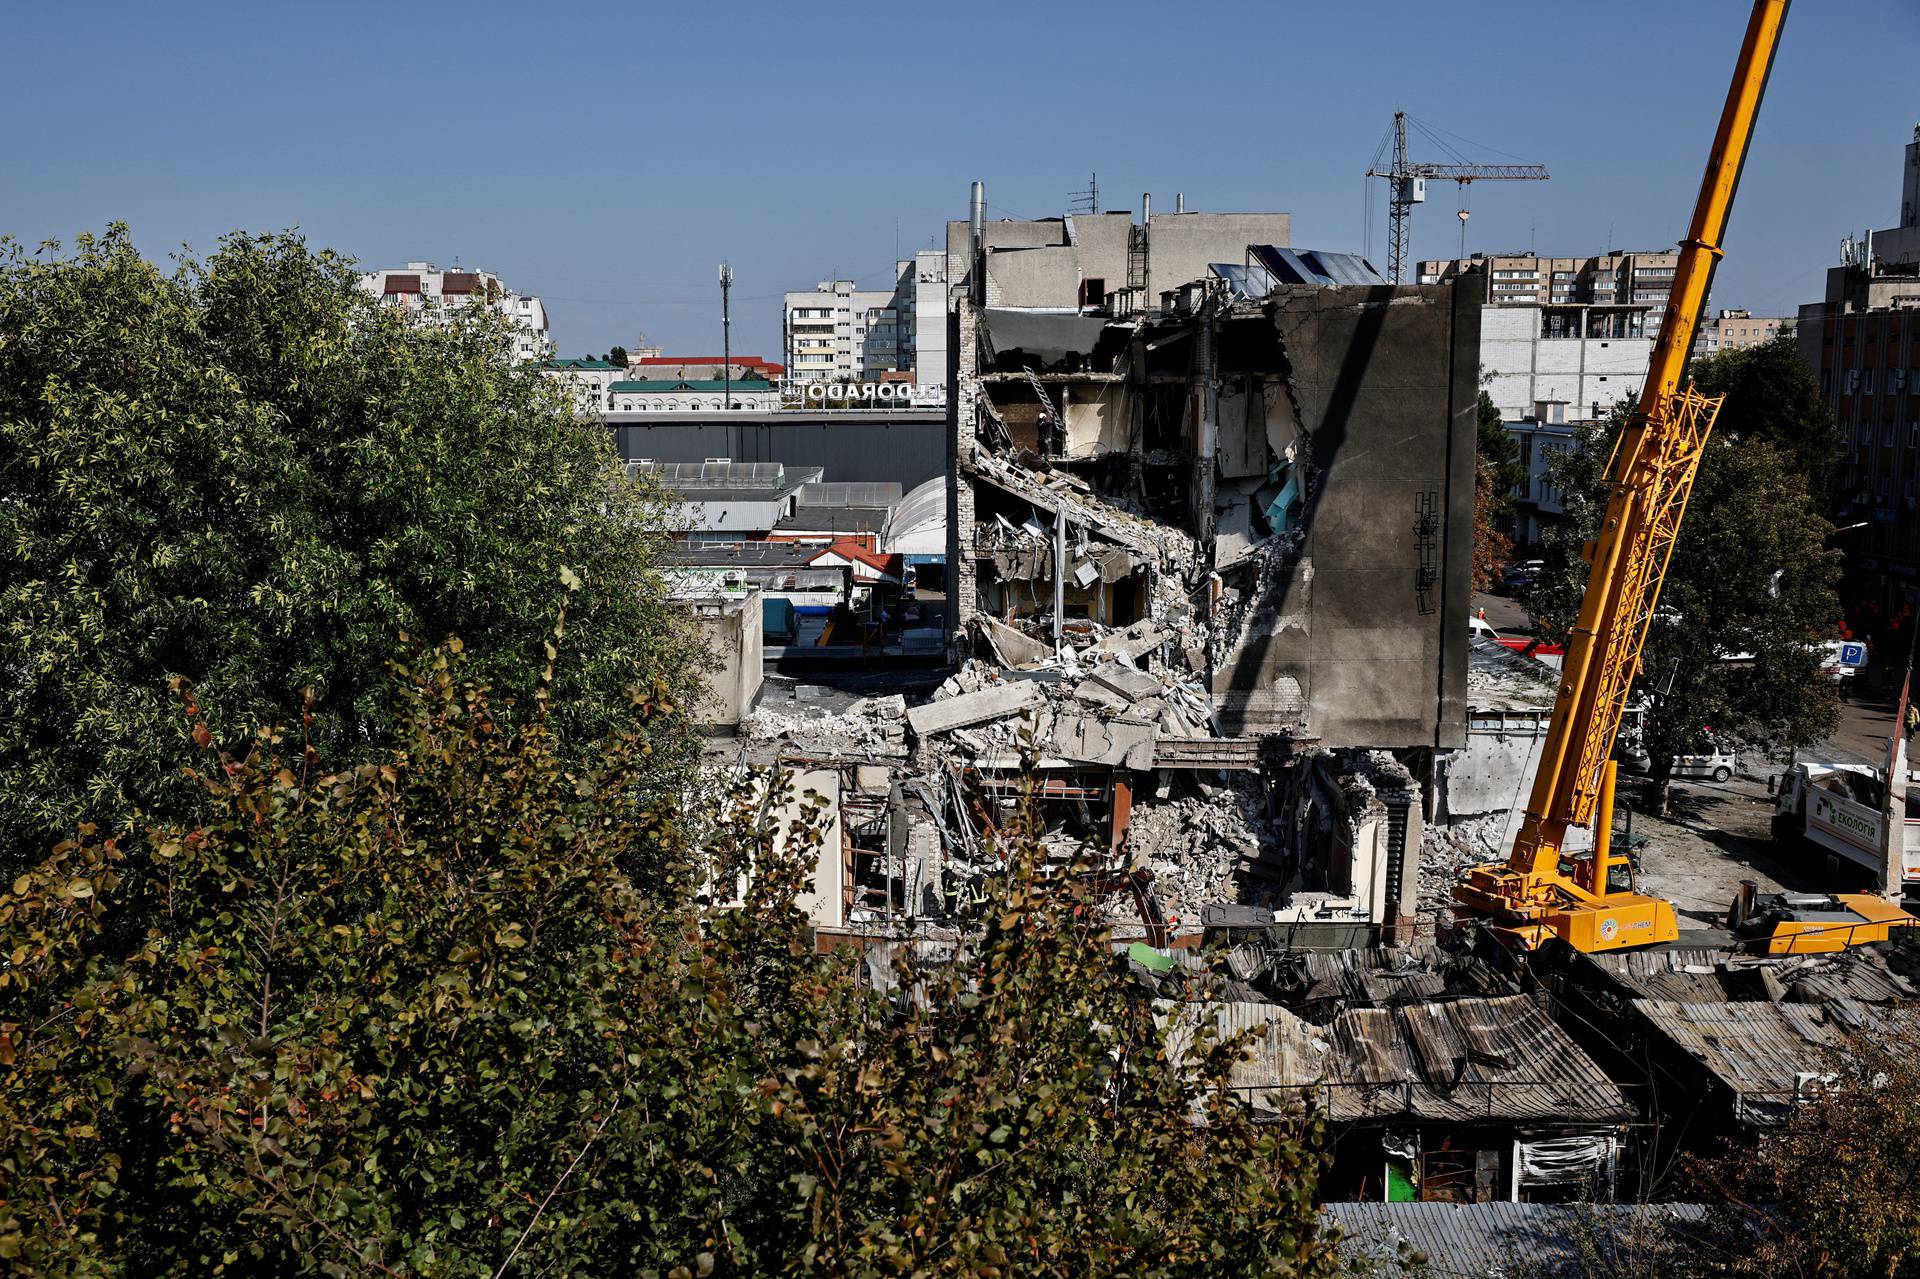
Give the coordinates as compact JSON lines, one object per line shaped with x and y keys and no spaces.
{"x":1530,"y":896}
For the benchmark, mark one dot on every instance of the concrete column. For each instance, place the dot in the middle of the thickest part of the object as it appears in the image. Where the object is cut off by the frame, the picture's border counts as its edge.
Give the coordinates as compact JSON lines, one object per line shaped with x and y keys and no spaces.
{"x":962,"y":409}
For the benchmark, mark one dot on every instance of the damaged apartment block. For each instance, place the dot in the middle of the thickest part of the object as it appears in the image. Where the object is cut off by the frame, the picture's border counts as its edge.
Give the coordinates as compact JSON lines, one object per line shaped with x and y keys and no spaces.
{"x":1209,"y":543}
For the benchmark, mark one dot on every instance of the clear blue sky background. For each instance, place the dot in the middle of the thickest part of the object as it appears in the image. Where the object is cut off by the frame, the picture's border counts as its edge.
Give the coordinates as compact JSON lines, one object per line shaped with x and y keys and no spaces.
{"x":608,"y":156}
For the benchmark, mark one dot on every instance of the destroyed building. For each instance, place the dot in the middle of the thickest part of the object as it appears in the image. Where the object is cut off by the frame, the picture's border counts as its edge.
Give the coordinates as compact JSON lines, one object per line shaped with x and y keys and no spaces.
{"x":1234,"y":469}
{"x":1723,"y":1043}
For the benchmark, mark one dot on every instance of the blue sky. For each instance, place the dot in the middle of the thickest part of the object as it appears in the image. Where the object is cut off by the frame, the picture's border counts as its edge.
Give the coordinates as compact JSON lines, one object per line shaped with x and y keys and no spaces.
{"x":608,"y":156}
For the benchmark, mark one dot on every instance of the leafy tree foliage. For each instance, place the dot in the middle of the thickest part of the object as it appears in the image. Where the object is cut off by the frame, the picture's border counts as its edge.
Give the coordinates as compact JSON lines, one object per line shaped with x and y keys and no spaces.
{"x":1496,"y":449}
{"x":1497,"y":471}
{"x":1772,"y":397}
{"x":247,"y":473}
{"x":412,"y":1018}
{"x":1828,"y":1196}
{"x":618,"y":355}
{"x":1749,"y":595}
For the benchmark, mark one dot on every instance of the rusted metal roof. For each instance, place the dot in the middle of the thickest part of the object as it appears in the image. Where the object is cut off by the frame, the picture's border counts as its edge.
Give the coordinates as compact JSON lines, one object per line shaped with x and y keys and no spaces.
{"x":1710,"y":976}
{"x":1766,"y":1055}
{"x":1382,"y":976}
{"x":1499,"y":1240}
{"x":1464,"y":1060}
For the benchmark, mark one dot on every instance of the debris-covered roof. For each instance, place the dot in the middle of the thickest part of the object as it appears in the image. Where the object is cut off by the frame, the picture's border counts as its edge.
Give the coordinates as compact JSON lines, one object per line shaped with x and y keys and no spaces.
{"x":1692,"y":975}
{"x":1378,"y":977}
{"x":1765,"y":1054}
{"x":1466,"y":1060}
{"x":1498,"y":1240}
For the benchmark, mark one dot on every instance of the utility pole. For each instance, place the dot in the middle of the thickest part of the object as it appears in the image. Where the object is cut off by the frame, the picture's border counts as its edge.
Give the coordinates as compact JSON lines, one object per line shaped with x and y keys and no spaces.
{"x":726,"y":334}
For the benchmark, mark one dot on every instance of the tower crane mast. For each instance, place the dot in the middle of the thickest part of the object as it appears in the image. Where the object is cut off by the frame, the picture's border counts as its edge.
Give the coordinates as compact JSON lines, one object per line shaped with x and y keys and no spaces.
{"x":1407,"y":186}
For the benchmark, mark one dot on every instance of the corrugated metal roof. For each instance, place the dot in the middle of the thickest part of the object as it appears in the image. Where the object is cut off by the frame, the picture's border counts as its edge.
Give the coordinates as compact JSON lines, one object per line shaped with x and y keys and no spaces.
{"x":1380,"y":977}
{"x":1760,"y":1051}
{"x":1464,"y":1060}
{"x":1693,"y":975}
{"x":872,"y":494}
{"x":1497,"y":1240}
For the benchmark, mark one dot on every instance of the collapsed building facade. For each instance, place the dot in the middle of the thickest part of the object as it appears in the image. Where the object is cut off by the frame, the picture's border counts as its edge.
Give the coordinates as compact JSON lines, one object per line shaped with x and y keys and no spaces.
{"x":1254,"y":485}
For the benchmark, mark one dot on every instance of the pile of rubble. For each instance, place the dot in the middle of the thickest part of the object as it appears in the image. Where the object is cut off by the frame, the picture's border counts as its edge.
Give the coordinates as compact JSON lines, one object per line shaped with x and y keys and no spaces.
{"x":1200,"y":848}
{"x":1062,"y":709}
{"x":875,"y":727}
{"x":1447,"y":851}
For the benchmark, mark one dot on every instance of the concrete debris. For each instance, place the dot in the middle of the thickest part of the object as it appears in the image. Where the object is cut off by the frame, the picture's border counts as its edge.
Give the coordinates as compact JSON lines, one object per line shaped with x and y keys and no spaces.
{"x":1096,"y":739}
{"x":1014,"y":648}
{"x":1446,"y":851}
{"x":872,"y":728}
{"x":1209,"y":848}
{"x":976,"y":707}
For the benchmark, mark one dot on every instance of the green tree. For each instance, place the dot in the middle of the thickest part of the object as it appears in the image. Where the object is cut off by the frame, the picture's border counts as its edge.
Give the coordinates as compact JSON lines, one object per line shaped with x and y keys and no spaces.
{"x":618,"y":355}
{"x":1748,"y":597}
{"x":1496,"y":449}
{"x":247,"y":473}
{"x":1497,"y":473}
{"x":412,"y":1018}
{"x":1772,"y":397}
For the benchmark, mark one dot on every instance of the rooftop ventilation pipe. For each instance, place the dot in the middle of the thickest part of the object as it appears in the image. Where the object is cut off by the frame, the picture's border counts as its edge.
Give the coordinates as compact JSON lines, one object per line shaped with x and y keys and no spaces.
{"x":977,"y":219}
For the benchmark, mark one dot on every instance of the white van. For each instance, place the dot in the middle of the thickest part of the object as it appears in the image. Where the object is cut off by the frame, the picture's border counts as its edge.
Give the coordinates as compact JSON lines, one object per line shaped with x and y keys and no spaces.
{"x":1716,"y":765}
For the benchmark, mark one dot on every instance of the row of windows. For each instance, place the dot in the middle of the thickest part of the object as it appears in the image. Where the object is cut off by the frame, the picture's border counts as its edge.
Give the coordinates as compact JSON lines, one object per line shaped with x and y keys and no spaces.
{"x":1865,"y":381}
{"x":1863,"y":435}
{"x":673,"y":405}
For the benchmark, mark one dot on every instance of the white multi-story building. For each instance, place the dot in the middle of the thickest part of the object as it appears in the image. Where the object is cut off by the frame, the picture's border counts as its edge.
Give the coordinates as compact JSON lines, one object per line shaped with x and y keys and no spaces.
{"x":842,"y":333}
{"x":930,"y":307}
{"x":1640,"y":278}
{"x":1563,"y":363}
{"x":430,"y":295}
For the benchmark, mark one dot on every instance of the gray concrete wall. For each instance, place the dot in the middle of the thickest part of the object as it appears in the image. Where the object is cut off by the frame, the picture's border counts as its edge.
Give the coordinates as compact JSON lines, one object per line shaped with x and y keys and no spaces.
{"x":1182,"y":245}
{"x":908,"y":447}
{"x":1361,"y":640}
{"x":1493,"y":772}
{"x":731,"y":627}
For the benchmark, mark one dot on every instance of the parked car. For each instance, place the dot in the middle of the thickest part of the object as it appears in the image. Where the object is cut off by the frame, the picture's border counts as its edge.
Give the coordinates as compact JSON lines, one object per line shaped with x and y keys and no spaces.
{"x":1716,"y":764}
{"x":1521,"y":574}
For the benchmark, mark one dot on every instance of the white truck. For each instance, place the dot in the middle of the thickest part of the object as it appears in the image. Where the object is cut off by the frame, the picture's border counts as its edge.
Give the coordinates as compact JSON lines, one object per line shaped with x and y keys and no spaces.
{"x":1840,"y":809}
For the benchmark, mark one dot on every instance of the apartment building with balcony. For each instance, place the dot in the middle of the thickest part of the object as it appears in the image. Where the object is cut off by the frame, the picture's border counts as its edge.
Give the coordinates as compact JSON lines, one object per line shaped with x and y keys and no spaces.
{"x":1736,"y":330}
{"x":429,"y":295}
{"x":1642,"y":279}
{"x":840,"y":332}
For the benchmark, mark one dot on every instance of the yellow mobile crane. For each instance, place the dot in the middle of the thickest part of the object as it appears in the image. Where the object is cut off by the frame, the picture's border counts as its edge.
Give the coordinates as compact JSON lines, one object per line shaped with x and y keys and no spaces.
{"x":1530,"y":897}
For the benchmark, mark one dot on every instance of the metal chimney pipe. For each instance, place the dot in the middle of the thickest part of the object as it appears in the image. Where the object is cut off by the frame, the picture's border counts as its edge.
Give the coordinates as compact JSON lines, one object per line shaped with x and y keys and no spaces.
{"x":1180,"y":202}
{"x":977,"y":219}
